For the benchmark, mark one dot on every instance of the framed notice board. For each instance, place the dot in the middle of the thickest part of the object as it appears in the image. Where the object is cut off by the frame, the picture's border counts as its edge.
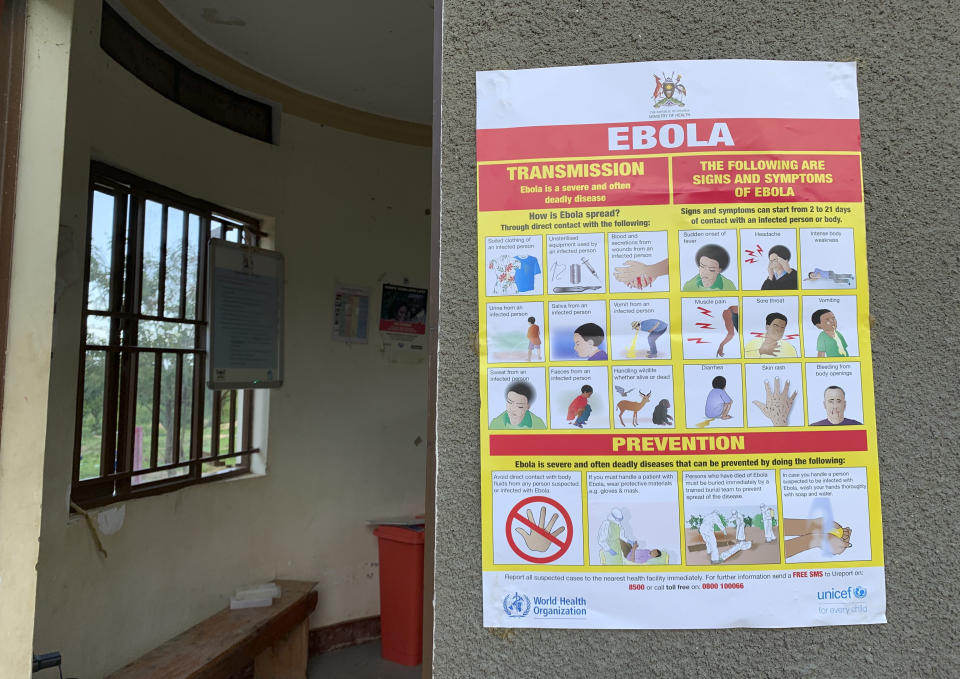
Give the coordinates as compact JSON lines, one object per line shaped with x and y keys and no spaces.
{"x":245,"y":332}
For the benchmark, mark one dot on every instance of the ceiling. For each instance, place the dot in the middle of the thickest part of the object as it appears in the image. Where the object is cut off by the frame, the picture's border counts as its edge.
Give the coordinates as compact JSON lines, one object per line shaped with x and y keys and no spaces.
{"x":372,"y":55}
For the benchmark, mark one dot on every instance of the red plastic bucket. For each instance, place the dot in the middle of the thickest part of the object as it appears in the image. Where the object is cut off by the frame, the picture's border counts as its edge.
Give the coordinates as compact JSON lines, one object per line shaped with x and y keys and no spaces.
{"x":401,"y":594}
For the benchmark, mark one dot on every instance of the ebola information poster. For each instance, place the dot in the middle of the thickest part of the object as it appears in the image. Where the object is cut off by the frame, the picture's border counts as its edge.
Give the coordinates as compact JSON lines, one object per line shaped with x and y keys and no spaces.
{"x":677,"y":419}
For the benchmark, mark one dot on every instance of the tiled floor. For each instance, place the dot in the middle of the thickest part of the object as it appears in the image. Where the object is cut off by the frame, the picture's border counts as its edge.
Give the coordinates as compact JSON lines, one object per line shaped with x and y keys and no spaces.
{"x":359,"y":662}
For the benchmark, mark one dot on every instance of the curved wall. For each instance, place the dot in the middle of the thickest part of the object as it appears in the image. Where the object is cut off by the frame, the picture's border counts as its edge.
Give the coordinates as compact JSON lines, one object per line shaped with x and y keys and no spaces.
{"x":341,"y":207}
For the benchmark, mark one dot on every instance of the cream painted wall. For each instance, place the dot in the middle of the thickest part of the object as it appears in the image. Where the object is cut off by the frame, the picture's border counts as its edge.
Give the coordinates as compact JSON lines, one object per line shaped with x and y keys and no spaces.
{"x":343,"y":207}
{"x":27,"y":368}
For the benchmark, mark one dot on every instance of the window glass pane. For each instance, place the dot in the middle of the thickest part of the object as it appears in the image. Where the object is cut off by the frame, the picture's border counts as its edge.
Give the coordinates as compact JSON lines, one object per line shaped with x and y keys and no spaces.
{"x":186,"y":409}
{"x":91,"y":426}
{"x":216,"y":437}
{"x":101,"y":251}
{"x":167,"y":436}
{"x":143,"y":432}
{"x":98,"y":330}
{"x":152,"y":240}
{"x":168,"y":409}
{"x":166,"y":335}
{"x":193,"y":243}
{"x":174,"y":282}
{"x":208,"y":415}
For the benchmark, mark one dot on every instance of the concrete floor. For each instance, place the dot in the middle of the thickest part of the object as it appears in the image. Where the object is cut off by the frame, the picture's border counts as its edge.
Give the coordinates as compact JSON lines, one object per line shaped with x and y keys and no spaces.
{"x":359,"y":662}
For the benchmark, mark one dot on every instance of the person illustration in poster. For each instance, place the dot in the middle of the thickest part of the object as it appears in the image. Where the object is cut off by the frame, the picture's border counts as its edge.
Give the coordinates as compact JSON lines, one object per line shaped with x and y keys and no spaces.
{"x":533,"y":339}
{"x":780,"y":276}
{"x":830,"y":343}
{"x":718,"y":402}
{"x":587,"y":340}
{"x":835,"y":403}
{"x":731,"y":322}
{"x":771,"y":343}
{"x":517,"y":415}
{"x":823,"y":274}
{"x":654,"y":328}
{"x":579,"y":410}
{"x":712,"y":260}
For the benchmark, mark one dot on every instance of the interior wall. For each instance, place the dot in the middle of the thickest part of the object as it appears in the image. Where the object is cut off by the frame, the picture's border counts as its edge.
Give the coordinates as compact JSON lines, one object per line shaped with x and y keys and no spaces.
{"x":907,"y":64}
{"x":27,"y":365}
{"x":341,"y":440}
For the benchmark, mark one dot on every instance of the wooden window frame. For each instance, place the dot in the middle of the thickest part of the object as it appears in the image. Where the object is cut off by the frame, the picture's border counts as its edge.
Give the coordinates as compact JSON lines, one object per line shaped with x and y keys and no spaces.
{"x":122,"y":354}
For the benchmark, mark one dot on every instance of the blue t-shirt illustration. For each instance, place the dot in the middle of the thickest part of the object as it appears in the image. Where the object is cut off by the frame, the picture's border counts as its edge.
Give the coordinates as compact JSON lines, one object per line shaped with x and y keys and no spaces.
{"x":524,"y":277}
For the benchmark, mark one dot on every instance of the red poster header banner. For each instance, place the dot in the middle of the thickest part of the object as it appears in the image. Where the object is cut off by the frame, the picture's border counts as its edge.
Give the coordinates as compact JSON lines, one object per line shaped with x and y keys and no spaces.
{"x":668,"y":136}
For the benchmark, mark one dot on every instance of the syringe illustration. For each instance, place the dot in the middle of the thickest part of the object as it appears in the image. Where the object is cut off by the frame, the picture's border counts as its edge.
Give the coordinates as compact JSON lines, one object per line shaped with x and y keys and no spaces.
{"x":586,"y":263}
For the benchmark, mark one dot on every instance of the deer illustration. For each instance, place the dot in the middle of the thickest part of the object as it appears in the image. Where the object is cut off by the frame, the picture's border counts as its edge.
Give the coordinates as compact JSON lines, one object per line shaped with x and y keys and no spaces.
{"x":635,"y":406}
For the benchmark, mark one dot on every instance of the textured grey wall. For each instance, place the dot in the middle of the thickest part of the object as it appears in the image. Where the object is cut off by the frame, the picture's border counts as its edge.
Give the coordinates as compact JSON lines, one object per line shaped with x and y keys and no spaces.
{"x":907,"y":57}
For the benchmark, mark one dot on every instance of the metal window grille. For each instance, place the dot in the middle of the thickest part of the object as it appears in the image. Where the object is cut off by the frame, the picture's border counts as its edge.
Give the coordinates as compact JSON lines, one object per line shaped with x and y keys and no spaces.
{"x":146,"y":423}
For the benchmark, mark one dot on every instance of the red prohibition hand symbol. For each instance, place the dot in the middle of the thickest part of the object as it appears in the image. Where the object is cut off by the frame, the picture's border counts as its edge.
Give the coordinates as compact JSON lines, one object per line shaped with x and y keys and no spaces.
{"x":537,"y":535}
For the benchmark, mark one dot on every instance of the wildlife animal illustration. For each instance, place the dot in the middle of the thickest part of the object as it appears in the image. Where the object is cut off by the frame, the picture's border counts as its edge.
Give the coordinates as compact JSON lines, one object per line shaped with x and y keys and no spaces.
{"x":633,"y":406}
{"x":660,"y":414}
{"x":620,"y":390}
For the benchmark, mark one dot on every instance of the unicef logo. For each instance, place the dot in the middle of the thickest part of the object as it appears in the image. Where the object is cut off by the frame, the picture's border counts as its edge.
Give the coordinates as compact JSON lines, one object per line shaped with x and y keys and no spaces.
{"x":860,"y":592}
{"x":516,"y":605}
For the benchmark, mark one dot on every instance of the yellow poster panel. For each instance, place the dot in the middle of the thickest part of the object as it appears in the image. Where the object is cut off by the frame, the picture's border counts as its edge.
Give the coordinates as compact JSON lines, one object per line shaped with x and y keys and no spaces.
{"x":677,"y":410}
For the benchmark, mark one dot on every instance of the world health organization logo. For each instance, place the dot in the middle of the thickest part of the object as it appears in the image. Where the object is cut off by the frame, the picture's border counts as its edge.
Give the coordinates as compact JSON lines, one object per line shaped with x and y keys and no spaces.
{"x":860,"y":592}
{"x":516,"y":605}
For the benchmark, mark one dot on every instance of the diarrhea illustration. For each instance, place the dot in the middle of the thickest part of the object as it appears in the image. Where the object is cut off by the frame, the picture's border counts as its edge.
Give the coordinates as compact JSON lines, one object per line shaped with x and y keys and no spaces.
{"x":718,"y":403}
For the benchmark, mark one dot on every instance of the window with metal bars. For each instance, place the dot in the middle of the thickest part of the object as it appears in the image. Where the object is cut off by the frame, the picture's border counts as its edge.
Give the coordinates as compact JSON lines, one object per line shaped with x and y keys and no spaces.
{"x":146,"y":423}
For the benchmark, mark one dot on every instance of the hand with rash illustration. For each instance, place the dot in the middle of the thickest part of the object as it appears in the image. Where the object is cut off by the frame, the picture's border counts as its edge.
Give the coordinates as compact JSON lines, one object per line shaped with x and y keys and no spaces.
{"x":535,"y":541}
{"x":779,"y":403}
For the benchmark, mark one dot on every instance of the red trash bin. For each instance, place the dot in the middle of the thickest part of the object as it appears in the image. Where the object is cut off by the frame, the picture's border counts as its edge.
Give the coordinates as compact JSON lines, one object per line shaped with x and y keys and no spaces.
{"x":401,"y":593}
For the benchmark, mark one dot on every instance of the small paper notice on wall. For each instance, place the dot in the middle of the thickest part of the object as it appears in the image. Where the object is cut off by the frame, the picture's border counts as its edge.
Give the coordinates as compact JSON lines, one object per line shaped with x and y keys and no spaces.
{"x":351,"y":311}
{"x":403,"y":320}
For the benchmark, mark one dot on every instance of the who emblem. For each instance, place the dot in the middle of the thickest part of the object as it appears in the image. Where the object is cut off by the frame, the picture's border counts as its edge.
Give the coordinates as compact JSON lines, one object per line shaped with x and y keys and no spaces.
{"x":516,"y":605}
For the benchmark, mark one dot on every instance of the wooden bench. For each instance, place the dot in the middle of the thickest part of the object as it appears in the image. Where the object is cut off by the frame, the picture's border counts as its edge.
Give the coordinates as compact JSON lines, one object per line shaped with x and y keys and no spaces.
{"x":274,"y":638}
